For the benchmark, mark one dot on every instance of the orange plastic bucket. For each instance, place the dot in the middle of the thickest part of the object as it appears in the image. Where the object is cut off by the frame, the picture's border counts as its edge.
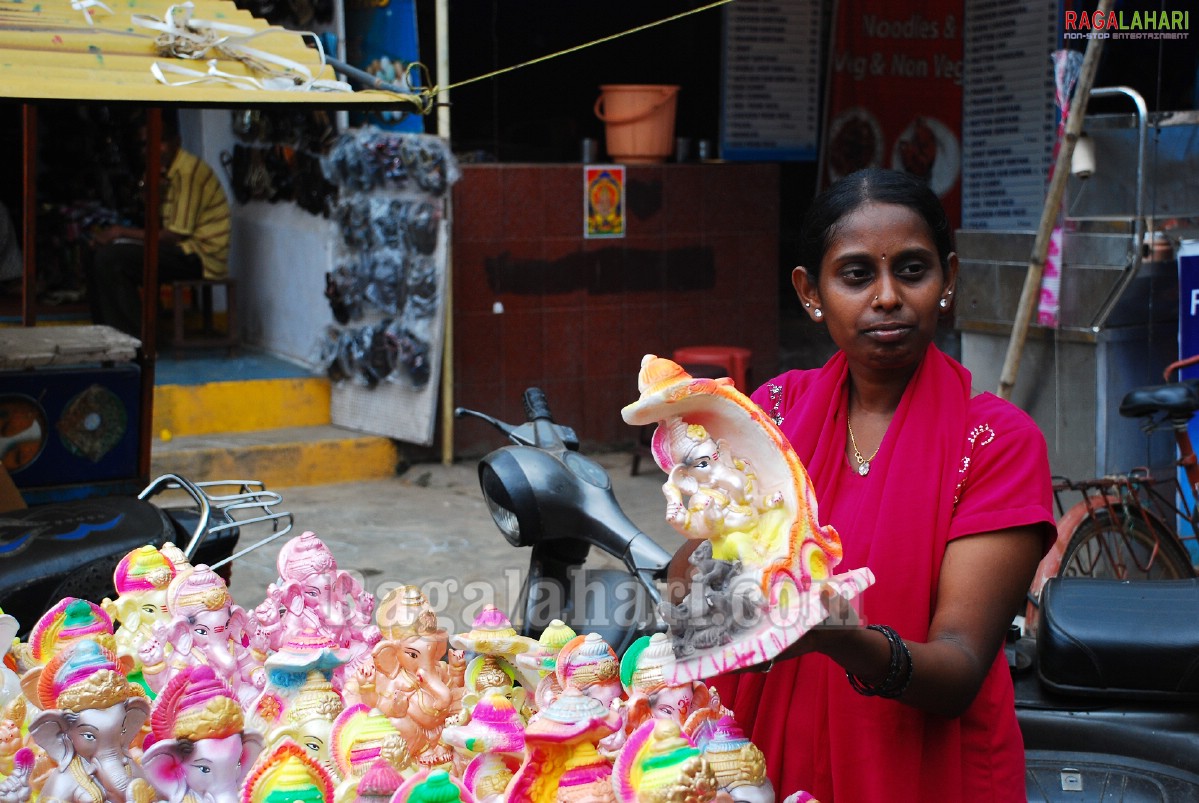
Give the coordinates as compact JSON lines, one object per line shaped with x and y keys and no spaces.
{"x":638,"y":120}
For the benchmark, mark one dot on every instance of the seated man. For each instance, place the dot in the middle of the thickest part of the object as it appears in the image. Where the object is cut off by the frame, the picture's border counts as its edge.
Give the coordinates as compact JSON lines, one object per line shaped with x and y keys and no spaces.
{"x":193,"y":242}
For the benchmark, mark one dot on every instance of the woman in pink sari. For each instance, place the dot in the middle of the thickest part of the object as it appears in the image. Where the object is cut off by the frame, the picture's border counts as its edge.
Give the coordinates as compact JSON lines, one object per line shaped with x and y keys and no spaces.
{"x":942,"y":491}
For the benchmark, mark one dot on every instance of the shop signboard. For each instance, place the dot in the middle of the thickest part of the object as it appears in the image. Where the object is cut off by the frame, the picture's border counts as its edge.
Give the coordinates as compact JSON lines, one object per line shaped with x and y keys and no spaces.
{"x":1009,"y":111}
{"x":1188,"y":345}
{"x":770,"y":95}
{"x":895,"y":93}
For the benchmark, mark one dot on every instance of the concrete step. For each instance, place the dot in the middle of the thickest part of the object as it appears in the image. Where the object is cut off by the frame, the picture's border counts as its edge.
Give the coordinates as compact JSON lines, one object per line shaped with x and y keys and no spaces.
{"x":281,"y":458}
{"x":245,"y":405}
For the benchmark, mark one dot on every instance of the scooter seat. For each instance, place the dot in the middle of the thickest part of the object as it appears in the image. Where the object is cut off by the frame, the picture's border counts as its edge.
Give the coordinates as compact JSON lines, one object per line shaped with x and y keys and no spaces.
{"x":1130,"y":639}
{"x":71,"y":548}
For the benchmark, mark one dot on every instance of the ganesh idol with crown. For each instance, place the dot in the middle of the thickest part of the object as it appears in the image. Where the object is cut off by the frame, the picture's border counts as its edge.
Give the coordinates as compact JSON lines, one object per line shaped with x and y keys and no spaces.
{"x":763,"y":574}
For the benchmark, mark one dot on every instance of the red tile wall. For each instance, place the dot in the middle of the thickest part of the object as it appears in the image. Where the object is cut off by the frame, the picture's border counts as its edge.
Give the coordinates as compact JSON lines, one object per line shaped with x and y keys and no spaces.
{"x":698,"y":266}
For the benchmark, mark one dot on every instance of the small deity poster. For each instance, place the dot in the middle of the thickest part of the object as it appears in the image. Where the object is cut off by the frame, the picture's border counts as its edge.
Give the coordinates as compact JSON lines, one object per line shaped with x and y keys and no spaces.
{"x":603,"y":201}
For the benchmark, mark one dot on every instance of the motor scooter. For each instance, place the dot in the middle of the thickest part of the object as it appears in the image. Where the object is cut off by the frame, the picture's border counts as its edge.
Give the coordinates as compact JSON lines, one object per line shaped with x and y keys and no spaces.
{"x":70,"y":549}
{"x":1107,"y":694}
{"x":544,"y":494}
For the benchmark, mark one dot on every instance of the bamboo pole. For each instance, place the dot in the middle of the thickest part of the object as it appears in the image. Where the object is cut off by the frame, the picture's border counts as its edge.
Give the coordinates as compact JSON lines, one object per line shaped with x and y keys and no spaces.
{"x":1031,"y":293}
{"x":442,"y":25}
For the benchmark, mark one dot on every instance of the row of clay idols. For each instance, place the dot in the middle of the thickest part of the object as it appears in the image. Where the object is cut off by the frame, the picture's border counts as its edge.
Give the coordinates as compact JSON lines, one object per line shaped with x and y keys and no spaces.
{"x":306,"y":696}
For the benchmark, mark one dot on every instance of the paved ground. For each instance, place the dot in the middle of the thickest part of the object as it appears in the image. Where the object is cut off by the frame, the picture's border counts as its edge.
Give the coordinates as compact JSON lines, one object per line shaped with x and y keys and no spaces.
{"x":430,"y":527}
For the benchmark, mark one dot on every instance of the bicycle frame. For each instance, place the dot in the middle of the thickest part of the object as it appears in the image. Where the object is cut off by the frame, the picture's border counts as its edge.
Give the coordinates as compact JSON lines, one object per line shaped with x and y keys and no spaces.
{"x":1157,"y":505}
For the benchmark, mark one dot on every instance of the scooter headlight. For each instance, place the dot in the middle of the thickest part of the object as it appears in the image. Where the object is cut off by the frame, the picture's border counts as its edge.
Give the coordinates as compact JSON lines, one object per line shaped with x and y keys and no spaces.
{"x":509,"y":498}
{"x":505,"y":519}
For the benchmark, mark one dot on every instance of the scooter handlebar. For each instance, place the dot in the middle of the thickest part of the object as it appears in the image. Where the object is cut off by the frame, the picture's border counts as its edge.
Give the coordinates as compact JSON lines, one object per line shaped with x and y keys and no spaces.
{"x":537,"y":406}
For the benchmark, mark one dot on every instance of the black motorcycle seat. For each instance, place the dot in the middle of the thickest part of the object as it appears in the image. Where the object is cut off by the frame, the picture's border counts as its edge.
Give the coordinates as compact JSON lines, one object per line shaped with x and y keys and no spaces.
{"x":1176,"y":400}
{"x":76,"y":545}
{"x":1133,"y":639}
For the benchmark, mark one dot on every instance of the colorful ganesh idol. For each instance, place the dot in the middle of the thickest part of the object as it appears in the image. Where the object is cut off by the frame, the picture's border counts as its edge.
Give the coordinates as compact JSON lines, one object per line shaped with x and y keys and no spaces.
{"x":288,"y":671}
{"x":544,"y":660}
{"x":201,"y":750}
{"x":659,"y":764}
{"x":739,"y":765}
{"x":309,"y":719}
{"x":766,"y":572}
{"x":362,"y":737}
{"x":589,"y":664}
{"x":91,"y":715}
{"x":649,"y":695}
{"x":561,"y":762}
{"x":311,"y":587}
{"x":286,"y":773}
{"x":205,"y":628}
{"x":141,"y":579}
{"x":408,"y":680}
{"x":496,"y":644}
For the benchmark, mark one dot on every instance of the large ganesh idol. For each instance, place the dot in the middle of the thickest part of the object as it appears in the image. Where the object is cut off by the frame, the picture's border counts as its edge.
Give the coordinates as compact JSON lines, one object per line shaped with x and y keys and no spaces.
{"x":205,"y":629}
{"x":764,"y":570}
{"x":141,"y":579}
{"x":201,"y":751}
{"x":407,"y":679}
{"x":91,"y":715}
{"x":312,"y":594}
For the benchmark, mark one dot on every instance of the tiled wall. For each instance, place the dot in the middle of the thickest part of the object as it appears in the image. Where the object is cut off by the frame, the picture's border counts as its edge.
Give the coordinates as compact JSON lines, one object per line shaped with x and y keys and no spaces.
{"x":698,"y":266}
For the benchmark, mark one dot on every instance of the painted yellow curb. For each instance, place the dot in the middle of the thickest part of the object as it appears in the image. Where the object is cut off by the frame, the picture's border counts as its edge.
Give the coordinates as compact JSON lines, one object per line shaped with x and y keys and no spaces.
{"x":242,"y":406}
{"x":285,"y":465}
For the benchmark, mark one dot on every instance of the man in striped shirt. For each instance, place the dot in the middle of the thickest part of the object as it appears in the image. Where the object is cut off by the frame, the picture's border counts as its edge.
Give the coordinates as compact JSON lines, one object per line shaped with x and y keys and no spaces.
{"x":193,"y":241}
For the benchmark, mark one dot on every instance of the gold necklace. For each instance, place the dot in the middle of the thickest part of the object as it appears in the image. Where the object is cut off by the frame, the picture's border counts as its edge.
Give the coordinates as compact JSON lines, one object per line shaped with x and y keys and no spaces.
{"x":863,"y":462}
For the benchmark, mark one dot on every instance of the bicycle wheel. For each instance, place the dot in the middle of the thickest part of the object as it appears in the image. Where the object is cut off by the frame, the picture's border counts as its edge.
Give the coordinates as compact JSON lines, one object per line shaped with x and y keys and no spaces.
{"x":1118,"y":544}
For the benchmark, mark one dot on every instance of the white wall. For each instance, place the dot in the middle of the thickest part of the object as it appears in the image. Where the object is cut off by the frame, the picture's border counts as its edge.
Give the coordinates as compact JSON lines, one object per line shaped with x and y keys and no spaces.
{"x":279,"y":254}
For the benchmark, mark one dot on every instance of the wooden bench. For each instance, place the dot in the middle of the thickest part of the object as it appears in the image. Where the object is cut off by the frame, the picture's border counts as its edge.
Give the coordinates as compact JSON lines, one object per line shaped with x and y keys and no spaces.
{"x":201,"y":295}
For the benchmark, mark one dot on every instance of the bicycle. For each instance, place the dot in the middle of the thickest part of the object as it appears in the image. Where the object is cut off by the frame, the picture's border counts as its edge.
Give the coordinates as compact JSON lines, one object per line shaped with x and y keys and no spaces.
{"x":1124,"y":526}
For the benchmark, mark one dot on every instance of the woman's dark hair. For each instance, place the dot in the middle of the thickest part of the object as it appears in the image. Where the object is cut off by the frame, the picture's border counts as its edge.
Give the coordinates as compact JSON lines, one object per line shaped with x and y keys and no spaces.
{"x":872,"y":185}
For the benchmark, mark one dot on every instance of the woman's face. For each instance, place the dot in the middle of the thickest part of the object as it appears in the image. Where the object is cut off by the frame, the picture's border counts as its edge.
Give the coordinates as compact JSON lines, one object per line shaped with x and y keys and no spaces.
{"x":880,"y":287}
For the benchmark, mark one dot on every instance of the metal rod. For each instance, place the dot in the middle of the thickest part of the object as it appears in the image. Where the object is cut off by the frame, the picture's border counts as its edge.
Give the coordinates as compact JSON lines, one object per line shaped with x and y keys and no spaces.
{"x":1138,"y":224}
{"x":1031,"y":293}
{"x":442,"y":24}
{"x":29,"y":216}
{"x":363,"y":77}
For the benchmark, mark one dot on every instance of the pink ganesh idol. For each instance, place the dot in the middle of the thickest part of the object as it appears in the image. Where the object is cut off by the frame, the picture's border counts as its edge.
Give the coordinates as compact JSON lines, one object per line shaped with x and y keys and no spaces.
{"x":201,"y":750}
{"x":206,"y":629}
{"x":312,"y":593}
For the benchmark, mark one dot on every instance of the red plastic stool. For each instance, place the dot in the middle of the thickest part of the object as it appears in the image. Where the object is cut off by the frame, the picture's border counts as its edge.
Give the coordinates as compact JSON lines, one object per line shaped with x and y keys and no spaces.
{"x":733,"y":360}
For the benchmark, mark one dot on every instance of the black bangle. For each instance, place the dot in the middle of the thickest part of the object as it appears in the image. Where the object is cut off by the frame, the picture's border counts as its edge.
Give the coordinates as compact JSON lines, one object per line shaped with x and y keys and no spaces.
{"x":899,"y":671}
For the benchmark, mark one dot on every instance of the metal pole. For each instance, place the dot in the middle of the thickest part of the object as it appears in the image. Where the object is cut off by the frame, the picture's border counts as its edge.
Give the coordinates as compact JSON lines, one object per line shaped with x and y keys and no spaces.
{"x":29,"y":214}
{"x":442,"y":24}
{"x":1053,"y":201}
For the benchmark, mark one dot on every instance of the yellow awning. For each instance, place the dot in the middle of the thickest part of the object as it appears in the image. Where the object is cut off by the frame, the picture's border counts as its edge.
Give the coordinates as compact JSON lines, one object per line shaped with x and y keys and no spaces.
{"x":49,"y":51}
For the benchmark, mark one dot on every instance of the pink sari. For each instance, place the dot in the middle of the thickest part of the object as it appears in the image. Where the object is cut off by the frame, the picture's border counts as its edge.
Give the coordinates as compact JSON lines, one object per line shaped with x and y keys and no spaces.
{"x":818,"y":734}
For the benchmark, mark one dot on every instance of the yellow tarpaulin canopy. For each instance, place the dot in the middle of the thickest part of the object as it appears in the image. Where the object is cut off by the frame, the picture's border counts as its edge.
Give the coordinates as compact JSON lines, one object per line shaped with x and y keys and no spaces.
{"x":50,"y":51}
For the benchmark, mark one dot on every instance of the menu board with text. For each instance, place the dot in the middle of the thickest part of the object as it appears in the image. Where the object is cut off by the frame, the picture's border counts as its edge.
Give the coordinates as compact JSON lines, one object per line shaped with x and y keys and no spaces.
{"x":1009,"y":112}
{"x":770,"y":109}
